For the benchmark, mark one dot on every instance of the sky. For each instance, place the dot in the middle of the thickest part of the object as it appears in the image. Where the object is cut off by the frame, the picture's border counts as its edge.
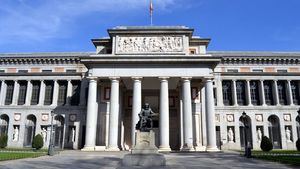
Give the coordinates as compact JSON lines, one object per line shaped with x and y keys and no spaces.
{"x":69,"y":25}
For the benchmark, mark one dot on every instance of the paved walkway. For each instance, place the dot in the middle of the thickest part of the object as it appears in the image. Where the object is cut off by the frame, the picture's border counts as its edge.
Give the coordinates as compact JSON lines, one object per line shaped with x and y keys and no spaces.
{"x":109,"y":160}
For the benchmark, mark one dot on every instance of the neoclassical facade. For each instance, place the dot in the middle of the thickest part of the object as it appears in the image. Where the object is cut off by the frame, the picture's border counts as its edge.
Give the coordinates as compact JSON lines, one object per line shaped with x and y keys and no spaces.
{"x":199,"y":95}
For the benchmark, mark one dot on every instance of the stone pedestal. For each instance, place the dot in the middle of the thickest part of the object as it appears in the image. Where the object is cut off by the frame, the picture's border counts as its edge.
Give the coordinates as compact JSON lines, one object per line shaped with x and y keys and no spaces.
{"x":144,"y":153}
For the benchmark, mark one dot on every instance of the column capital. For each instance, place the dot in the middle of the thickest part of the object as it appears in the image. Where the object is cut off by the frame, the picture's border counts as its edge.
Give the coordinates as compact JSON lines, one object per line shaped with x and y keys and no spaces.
{"x":139,"y":78}
{"x":186,"y":78}
{"x":114,"y":78}
{"x":92,"y":78}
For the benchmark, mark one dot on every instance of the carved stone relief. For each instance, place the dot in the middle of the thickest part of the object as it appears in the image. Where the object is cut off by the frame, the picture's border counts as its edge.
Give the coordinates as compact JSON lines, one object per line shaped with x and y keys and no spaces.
{"x":230,"y":118}
{"x":158,"y":44}
{"x":259,"y":117}
{"x":287,"y":117}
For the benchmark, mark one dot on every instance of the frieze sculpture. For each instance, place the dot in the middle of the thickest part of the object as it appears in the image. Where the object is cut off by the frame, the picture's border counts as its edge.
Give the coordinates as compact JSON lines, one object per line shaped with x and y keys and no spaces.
{"x":158,"y":44}
{"x":145,"y":123}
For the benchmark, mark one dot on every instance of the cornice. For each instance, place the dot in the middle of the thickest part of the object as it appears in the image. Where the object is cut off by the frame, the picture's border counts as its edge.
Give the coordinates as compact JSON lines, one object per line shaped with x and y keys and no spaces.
{"x":41,"y":60}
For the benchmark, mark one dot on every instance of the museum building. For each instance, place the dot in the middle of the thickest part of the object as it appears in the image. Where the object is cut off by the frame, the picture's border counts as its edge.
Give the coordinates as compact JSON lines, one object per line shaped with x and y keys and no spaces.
{"x":199,"y":96}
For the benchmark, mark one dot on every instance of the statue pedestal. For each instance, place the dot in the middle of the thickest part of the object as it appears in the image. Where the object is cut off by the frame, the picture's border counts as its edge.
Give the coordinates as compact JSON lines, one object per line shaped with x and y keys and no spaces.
{"x":144,"y":153}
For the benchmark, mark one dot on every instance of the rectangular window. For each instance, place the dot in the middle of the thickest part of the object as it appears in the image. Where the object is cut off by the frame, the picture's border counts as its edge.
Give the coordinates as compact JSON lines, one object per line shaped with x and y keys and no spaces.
{"x":227,"y":92}
{"x":282,"y":71}
{"x":9,"y":92}
{"x":35,"y":92}
{"x":257,"y":70}
{"x":71,"y":71}
{"x":2,"y":71}
{"x":62,"y":92}
{"x":233,"y":70}
{"x":22,"y":92}
{"x":295,"y":92}
{"x":254,"y":91}
{"x":282,"y":92}
{"x":45,"y":71}
{"x":268,"y":93}
{"x":75,"y":93}
{"x":48,"y":92}
{"x":241,"y":92}
{"x":23,"y":71}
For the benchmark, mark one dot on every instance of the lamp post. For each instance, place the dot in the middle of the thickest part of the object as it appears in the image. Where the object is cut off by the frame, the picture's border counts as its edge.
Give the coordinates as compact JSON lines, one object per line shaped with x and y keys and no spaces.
{"x":247,"y":146}
{"x":51,"y":146}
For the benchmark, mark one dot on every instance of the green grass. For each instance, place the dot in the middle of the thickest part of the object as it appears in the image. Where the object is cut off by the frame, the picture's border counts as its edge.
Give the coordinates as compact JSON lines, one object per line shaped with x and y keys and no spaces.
{"x":291,"y":160}
{"x":18,"y":153}
{"x":276,"y":152}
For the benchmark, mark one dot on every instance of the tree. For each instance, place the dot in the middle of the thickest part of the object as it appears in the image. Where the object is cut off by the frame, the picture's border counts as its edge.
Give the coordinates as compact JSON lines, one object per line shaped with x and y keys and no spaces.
{"x":298,"y":144}
{"x":37,"y":142}
{"x":266,"y":144}
{"x":3,"y":141}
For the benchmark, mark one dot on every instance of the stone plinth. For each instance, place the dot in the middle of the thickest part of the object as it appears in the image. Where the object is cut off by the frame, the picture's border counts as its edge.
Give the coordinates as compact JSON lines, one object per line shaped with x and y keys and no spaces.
{"x":144,"y":153}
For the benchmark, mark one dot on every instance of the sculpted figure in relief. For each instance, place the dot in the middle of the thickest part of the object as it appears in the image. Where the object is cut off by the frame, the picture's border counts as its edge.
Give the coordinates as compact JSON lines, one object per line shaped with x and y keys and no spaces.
{"x":16,"y":134}
{"x":259,"y":135}
{"x":288,"y":134}
{"x":230,"y":135}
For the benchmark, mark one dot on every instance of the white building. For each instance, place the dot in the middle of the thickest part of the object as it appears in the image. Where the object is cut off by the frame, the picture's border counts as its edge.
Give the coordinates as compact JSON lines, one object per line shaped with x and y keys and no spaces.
{"x":200,"y":95}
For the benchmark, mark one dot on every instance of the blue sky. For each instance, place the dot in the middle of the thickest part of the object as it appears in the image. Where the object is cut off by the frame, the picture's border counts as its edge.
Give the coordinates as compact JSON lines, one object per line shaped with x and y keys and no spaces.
{"x":68,"y":25}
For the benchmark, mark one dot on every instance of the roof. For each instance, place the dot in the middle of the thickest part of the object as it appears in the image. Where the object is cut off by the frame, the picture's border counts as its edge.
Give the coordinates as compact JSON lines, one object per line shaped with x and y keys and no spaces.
{"x":45,"y":54}
{"x":253,"y":54}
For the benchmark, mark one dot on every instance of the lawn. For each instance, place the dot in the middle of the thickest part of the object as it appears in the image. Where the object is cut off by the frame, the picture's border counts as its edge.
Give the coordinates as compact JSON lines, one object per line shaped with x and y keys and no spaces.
{"x":12,"y":154}
{"x":283,"y":156}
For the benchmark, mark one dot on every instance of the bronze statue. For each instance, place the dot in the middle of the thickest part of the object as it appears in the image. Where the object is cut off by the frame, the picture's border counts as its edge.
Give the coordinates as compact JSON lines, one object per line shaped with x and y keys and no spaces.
{"x":145,"y":123}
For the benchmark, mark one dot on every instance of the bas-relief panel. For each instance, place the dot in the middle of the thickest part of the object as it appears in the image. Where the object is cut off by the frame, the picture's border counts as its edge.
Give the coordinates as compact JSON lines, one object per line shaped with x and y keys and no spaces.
{"x":149,"y":44}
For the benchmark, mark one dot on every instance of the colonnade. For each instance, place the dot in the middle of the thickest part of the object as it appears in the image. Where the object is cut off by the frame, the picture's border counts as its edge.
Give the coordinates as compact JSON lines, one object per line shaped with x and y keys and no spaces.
{"x":164,"y":144}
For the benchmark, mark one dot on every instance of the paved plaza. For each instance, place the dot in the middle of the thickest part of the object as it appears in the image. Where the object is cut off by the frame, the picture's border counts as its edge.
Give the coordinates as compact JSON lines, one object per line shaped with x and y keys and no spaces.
{"x":109,"y":160}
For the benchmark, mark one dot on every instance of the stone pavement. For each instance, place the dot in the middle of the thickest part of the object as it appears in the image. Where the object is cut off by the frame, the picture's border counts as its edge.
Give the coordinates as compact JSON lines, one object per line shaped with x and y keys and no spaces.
{"x":111,"y":160}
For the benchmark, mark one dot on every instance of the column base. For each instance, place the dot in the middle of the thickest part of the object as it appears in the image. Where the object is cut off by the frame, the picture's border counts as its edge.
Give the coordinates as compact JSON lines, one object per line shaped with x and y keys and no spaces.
{"x":187,"y":149}
{"x":112,"y":149}
{"x":212,"y":149}
{"x":200,"y":148}
{"x":88,"y":148}
{"x":164,"y":149}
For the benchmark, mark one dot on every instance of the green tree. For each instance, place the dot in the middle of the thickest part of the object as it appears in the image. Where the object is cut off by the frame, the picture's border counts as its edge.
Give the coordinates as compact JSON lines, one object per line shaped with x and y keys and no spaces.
{"x":3,"y":141}
{"x":38,"y":142}
{"x":298,"y":144}
{"x":266,"y":144}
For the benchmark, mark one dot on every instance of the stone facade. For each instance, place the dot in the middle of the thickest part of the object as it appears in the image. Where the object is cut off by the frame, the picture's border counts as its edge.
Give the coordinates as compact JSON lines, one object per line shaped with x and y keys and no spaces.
{"x":199,"y":95}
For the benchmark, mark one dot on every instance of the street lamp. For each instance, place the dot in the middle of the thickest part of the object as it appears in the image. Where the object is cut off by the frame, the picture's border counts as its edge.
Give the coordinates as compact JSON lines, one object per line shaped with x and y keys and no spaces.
{"x":51,"y":146}
{"x":247,"y":146}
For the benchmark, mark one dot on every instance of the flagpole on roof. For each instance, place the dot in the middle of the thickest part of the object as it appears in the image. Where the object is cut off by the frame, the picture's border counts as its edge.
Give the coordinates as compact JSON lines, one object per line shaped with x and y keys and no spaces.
{"x":151,"y":13}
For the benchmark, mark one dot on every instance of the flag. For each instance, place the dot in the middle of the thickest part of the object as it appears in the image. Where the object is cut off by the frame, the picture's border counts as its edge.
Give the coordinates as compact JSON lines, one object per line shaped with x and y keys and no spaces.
{"x":151,"y":8}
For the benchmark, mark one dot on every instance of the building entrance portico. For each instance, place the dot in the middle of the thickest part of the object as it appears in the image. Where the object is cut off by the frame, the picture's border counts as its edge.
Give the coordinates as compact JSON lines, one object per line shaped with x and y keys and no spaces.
{"x":125,"y":80}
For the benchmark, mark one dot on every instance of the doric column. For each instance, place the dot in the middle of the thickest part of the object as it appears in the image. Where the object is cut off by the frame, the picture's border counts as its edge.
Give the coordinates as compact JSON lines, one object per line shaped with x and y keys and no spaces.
{"x":42,"y":93}
{"x":210,"y":117}
{"x":219,"y":93}
{"x":289,"y":93}
{"x":69,"y":92}
{"x":136,"y":106}
{"x":28,"y":93}
{"x":248,"y":94}
{"x":262,"y":93}
{"x":91,"y":119}
{"x":55,"y":93}
{"x":234,"y":97}
{"x":164,"y":115}
{"x":15,"y":93}
{"x":2,"y":92}
{"x":83,"y":92}
{"x":187,"y":115}
{"x":275,"y":93}
{"x":114,"y":116}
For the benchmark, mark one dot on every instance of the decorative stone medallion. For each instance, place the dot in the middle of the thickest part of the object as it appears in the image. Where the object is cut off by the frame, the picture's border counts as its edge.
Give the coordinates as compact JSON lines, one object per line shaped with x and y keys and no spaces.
{"x":259,"y":117}
{"x":230,"y":118}
{"x":17,"y":116}
{"x":287,"y":117}
{"x":45,"y":117}
{"x":72,"y":117}
{"x":149,"y":44}
{"x":217,"y":118}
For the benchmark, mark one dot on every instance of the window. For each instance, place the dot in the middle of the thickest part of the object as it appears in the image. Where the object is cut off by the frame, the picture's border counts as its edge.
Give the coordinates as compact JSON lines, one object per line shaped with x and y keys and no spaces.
{"x":2,"y":71}
{"x":268,"y":93}
{"x":295,"y":92}
{"x":9,"y":92}
{"x":62,"y":92}
{"x":257,"y":70}
{"x":75,"y":93}
{"x":22,"y":92}
{"x":233,"y":70}
{"x":227,"y":92}
{"x":35,"y":92}
{"x":240,"y":93}
{"x":192,"y":51}
{"x":254,"y":92}
{"x":46,"y":71}
{"x":282,"y":71}
{"x":215,"y":96}
{"x":71,"y":71}
{"x":48,"y":92}
{"x":23,"y":71}
{"x":281,"y":92}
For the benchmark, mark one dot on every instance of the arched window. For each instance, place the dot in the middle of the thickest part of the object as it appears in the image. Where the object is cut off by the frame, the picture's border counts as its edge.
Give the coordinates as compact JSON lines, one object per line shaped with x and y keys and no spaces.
{"x":227,"y":93}
{"x":245,"y":131}
{"x":4,"y":121}
{"x":59,"y":122}
{"x":30,"y":126}
{"x":274,"y":131}
{"x":240,"y":92}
